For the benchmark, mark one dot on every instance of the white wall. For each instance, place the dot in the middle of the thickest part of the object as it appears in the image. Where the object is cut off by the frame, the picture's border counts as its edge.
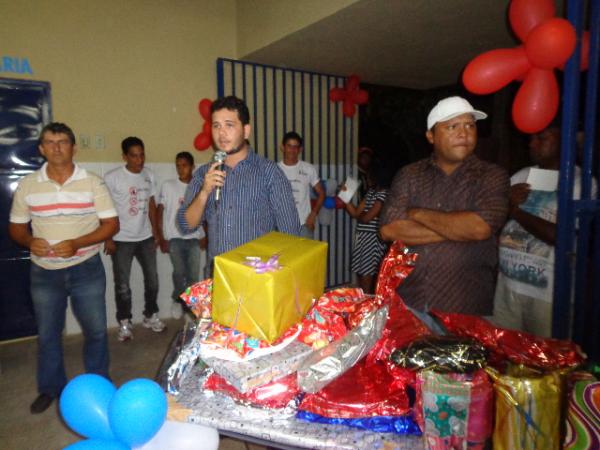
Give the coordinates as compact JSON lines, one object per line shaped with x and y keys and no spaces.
{"x":163,"y":172}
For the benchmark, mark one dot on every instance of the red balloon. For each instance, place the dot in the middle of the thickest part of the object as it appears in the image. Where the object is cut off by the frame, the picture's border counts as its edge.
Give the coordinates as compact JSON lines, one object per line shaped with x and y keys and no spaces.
{"x":352,"y":83}
{"x":525,"y":15}
{"x":493,"y":70}
{"x":203,"y":141}
{"x":360,"y":97}
{"x":349,"y":108}
{"x":207,"y":127}
{"x":339,"y":204}
{"x":550,"y":44}
{"x":204,"y":108}
{"x":337,"y":94}
{"x":536,"y":103}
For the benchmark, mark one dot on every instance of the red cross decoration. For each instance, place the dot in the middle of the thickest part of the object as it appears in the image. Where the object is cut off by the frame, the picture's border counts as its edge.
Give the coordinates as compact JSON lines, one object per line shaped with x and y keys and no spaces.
{"x":351,"y":94}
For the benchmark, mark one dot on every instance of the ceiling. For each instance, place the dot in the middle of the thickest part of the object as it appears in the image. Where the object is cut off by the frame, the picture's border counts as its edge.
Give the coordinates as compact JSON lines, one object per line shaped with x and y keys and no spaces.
{"x":408,"y":43}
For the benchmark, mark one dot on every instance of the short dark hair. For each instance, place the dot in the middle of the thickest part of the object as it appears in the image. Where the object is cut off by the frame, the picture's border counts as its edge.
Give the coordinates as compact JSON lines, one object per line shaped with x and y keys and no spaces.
{"x":232,"y":103}
{"x":292,"y":135}
{"x":58,"y":127}
{"x":129,"y":142}
{"x":185,"y":155}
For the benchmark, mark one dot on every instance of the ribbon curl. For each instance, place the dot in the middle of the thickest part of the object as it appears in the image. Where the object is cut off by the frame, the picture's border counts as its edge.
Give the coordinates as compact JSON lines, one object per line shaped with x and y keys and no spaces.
{"x":271,"y":265}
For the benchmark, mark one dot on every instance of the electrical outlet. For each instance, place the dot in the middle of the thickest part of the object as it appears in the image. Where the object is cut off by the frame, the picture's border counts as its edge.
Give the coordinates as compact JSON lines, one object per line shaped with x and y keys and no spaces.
{"x":99,"y":142}
{"x":84,"y":141}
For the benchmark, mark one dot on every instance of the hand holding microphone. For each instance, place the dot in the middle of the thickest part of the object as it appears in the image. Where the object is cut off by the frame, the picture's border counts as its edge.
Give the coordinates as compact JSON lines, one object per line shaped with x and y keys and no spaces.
{"x":219,"y":157}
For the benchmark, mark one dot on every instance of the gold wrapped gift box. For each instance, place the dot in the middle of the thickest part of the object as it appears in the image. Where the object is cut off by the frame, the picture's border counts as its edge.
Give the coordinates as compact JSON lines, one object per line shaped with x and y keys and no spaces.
{"x":265,"y":305}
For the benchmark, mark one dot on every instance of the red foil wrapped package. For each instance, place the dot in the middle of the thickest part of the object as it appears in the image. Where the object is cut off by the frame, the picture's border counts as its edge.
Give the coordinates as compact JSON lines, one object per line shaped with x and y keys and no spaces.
{"x":402,"y":326}
{"x":341,"y":300}
{"x":198,"y":298}
{"x":320,"y":327}
{"x":334,"y":314}
{"x":277,"y":394}
{"x":360,"y":392}
{"x":397,"y":264}
{"x":516,"y":346}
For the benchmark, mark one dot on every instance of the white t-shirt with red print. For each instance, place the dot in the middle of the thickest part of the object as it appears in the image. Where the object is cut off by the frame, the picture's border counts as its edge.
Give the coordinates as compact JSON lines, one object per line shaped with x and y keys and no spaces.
{"x":171,"y":197}
{"x":131,"y":193}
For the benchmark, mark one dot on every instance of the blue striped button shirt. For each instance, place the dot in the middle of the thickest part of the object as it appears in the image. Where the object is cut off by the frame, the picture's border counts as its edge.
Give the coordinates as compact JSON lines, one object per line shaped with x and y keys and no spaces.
{"x":255,"y":199}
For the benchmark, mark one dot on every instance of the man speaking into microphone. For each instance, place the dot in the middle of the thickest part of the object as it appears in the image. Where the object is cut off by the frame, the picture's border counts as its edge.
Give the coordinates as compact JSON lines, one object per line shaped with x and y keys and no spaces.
{"x":244,"y":197}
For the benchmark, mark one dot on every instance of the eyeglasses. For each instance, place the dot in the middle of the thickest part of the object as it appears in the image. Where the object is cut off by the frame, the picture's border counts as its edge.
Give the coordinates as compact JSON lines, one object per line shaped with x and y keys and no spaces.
{"x":61,"y":143}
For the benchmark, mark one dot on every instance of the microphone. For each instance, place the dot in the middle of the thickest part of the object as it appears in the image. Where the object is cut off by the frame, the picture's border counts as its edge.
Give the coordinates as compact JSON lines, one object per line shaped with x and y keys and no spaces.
{"x":220,"y":157}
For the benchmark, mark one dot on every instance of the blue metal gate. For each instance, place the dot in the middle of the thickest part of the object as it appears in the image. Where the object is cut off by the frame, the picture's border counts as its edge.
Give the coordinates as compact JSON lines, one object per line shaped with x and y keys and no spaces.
{"x":578,"y":227}
{"x":283,"y":99}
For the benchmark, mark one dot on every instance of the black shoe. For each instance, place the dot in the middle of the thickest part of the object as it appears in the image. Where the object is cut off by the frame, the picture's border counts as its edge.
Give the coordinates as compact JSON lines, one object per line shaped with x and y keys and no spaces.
{"x":41,"y":403}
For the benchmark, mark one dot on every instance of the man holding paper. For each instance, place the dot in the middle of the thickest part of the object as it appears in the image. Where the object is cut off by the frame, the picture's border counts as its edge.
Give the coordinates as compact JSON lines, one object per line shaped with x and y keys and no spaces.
{"x":524,"y":290}
{"x":447,"y":208}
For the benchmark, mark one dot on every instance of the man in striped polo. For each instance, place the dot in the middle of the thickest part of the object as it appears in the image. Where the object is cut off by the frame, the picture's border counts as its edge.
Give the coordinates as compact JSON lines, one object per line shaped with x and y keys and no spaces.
{"x":255,"y":195}
{"x":71,"y":214}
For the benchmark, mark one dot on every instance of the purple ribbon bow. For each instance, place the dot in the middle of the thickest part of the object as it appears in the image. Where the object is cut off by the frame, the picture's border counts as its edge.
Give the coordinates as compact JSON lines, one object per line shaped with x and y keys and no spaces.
{"x":262,"y":267}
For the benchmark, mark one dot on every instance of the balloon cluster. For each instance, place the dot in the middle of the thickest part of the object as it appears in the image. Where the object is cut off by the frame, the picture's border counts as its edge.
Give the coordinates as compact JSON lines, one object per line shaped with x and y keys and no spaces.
{"x":112,"y":419}
{"x":548,"y":42}
{"x":351,"y":94}
{"x":204,"y":139}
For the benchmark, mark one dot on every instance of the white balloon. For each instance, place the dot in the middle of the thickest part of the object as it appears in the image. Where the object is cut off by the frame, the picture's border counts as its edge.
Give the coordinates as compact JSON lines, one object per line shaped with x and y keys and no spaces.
{"x":326,"y":216}
{"x":331,"y":186}
{"x":175,"y":435}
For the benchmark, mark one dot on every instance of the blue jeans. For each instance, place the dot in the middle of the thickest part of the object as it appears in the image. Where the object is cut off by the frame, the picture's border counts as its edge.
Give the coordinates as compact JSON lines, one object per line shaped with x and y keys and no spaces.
{"x":185,"y":257}
{"x":85,"y":283}
{"x":145,"y":252}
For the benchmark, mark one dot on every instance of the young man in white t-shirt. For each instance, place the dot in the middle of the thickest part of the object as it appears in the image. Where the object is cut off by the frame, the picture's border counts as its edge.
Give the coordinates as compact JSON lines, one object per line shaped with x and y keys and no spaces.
{"x":132,"y":189}
{"x":303,"y":177}
{"x":183,"y":249}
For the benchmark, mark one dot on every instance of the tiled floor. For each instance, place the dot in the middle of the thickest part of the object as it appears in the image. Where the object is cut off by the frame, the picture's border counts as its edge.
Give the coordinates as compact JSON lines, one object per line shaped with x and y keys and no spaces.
{"x":20,"y":430}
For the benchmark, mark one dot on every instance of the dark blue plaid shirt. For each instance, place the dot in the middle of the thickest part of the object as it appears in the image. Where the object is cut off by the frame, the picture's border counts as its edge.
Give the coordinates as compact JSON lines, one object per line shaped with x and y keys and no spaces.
{"x":255,"y":199}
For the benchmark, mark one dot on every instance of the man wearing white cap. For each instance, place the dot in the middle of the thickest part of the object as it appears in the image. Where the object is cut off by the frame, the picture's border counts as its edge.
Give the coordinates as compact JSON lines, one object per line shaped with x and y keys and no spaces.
{"x":448,"y":208}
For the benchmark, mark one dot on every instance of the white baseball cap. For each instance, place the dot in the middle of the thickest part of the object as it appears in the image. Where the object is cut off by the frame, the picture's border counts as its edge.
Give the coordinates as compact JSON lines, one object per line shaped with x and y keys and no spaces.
{"x":452,"y":107}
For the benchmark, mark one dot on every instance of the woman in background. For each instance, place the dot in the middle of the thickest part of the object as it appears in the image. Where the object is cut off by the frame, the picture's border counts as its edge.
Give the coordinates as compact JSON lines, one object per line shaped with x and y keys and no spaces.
{"x":368,"y":248}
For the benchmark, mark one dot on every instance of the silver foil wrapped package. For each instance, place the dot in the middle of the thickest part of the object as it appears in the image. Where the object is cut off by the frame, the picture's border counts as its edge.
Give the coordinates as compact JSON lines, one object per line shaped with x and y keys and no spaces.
{"x":187,"y":352}
{"x":328,"y":363}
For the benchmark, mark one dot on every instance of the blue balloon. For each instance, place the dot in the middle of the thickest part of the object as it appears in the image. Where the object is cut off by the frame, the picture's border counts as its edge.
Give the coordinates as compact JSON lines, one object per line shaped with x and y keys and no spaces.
{"x":137,"y":411}
{"x":84,"y":405}
{"x":97,"y":444}
{"x":329,"y":202}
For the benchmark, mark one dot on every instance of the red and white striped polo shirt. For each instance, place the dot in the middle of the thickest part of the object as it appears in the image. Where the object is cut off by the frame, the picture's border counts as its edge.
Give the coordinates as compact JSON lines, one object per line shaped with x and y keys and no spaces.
{"x":61,"y":212}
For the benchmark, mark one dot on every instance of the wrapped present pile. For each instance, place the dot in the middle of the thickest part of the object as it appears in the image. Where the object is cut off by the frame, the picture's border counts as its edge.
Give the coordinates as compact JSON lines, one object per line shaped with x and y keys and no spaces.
{"x":274,"y":341}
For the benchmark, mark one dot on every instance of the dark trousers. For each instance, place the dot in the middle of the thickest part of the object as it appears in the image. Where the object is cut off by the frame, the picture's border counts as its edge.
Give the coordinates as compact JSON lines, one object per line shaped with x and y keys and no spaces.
{"x":145,"y":253}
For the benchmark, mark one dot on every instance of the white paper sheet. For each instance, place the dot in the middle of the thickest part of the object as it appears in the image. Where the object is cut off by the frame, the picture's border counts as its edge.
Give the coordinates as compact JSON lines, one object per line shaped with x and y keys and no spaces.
{"x":351,"y":188}
{"x":542,"y":179}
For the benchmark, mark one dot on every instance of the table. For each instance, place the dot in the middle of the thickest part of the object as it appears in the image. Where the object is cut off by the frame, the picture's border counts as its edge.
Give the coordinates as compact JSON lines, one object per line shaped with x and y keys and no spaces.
{"x":273,"y":428}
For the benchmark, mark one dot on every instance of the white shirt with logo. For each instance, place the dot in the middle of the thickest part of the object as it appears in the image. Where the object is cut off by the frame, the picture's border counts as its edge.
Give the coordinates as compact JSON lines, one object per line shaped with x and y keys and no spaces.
{"x":302,"y":176}
{"x":131,"y":193}
{"x":171,"y":197}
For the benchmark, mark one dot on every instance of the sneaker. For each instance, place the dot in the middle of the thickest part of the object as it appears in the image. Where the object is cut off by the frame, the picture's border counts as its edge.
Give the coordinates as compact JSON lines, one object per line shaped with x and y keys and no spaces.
{"x":176,"y":310}
{"x":153,"y":322}
{"x":125,"y":330}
